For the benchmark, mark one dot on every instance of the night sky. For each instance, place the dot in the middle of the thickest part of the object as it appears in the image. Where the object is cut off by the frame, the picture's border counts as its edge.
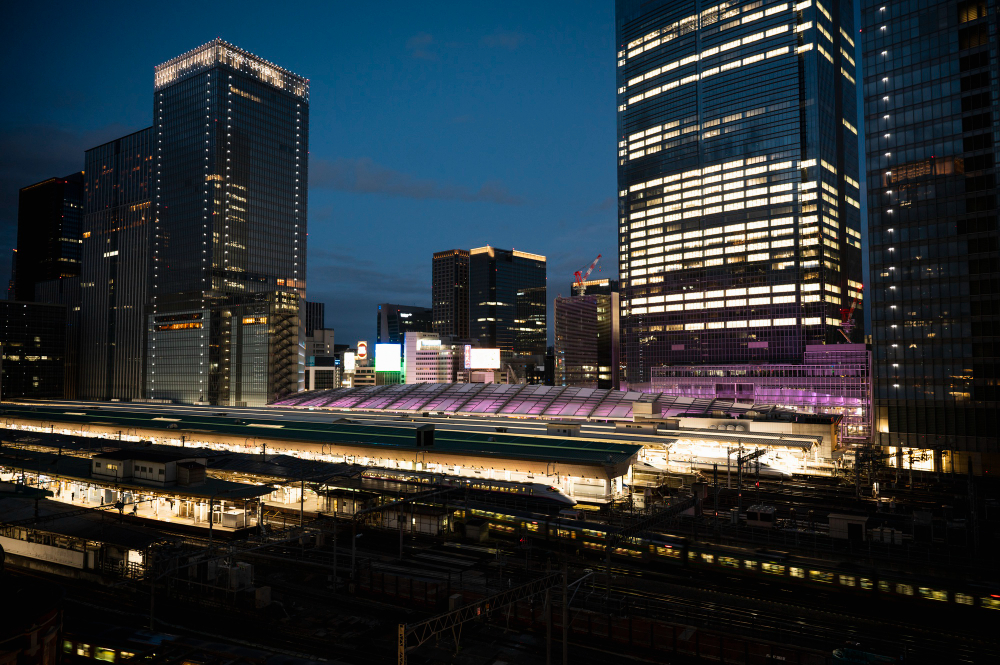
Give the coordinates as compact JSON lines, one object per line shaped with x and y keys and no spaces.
{"x":433,"y":125}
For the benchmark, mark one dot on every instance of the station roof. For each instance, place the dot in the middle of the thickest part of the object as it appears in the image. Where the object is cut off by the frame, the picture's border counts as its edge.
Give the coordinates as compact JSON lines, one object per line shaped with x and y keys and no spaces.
{"x":501,"y":399}
{"x":277,"y":466}
{"x":759,"y":439}
{"x":78,"y":469}
{"x":143,"y":454}
{"x":72,"y":521}
{"x":283,"y":426}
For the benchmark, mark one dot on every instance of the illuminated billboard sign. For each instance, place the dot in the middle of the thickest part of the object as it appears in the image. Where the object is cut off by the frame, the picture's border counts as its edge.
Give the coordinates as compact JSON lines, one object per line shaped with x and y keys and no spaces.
{"x":388,"y":357}
{"x":483,"y":358}
{"x":348,"y":361}
{"x":362,"y":350}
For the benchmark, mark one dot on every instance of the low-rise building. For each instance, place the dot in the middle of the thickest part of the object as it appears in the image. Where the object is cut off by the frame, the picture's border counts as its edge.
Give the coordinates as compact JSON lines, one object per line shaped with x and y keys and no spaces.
{"x":135,"y":464}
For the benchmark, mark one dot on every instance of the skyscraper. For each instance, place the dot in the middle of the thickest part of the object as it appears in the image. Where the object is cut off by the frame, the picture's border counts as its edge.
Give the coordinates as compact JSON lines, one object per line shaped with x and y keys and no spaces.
{"x":394,"y":321}
{"x":48,"y":233}
{"x":315,"y":317}
{"x":739,"y":223}
{"x":587,"y":339}
{"x":930,"y":79}
{"x":33,"y":349}
{"x":450,"y":293}
{"x":229,"y":204}
{"x":507,"y":302}
{"x":117,"y":224}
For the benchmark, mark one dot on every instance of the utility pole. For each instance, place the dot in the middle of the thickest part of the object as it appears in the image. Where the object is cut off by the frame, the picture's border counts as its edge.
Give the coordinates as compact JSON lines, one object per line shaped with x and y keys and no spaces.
{"x":739,"y":482}
{"x":548,"y":627}
{"x":336,"y":573}
{"x":758,"y":481}
{"x":715,"y":481}
{"x":565,"y":614}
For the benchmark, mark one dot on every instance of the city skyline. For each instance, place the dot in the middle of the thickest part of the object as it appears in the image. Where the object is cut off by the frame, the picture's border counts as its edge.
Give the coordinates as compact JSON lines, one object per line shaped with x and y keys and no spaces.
{"x":464,"y":81}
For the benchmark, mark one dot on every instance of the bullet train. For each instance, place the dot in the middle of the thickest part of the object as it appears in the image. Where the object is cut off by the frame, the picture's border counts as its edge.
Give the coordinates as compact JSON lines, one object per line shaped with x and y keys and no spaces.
{"x":533,"y":492}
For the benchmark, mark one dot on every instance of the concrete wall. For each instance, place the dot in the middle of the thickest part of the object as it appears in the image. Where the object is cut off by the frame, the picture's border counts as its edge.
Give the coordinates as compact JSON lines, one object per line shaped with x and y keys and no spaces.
{"x":63,"y":557}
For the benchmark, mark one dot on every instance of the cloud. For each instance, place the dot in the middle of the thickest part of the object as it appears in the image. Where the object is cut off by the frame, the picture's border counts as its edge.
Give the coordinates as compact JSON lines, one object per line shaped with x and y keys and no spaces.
{"x":602,"y":206}
{"x":366,"y":177}
{"x":503,"y":39}
{"x":419,"y":46}
{"x":352,"y":285}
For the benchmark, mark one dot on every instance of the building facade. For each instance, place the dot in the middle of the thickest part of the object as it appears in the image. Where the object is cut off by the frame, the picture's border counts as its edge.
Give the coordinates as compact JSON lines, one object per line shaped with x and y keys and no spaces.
{"x":229,"y":208}
{"x":315,"y":317}
{"x":66,"y":292}
{"x":739,"y":214}
{"x":507,"y":301}
{"x":450,"y":293}
{"x":833,"y":379}
{"x":930,"y":100}
{"x":49,"y":214}
{"x":432,"y":358}
{"x":33,"y":343}
{"x":587,"y":336}
{"x":115,"y":268}
{"x":394,"y":321}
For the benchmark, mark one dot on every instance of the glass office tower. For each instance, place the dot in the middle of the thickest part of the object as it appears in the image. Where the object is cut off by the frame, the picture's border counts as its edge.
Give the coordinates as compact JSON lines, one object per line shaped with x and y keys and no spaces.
{"x":587,"y":336}
{"x":117,"y":224}
{"x":450,"y":293}
{"x":930,"y":78}
{"x":230,"y":171}
{"x":48,"y":233}
{"x":739,"y":221}
{"x":394,"y":321}
{"x":507,"y":303}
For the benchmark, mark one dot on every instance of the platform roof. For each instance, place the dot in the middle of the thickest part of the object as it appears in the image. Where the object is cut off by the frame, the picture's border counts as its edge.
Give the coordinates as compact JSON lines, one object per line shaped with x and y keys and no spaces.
{"x":749,"y":439}
{"x":78,"y":469}
{"x":499,"y":399}
{"x":68,"y":520}
{"x":284,"y":427}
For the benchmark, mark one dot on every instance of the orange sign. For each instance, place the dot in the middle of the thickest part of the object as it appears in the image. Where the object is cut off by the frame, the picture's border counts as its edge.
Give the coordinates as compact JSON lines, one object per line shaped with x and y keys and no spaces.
{"x":362,"y":350}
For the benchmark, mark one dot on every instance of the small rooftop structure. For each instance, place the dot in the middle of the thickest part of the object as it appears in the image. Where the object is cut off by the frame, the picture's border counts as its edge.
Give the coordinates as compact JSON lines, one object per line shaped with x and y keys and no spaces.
{"x":156,"y":467}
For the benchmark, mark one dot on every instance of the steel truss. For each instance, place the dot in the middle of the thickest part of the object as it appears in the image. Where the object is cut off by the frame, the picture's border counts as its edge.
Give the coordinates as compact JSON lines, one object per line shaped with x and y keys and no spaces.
{"x":423,"y":631}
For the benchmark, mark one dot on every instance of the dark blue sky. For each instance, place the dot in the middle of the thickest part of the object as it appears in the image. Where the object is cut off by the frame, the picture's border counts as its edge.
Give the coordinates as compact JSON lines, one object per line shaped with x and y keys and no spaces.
{"x":433,"y":125}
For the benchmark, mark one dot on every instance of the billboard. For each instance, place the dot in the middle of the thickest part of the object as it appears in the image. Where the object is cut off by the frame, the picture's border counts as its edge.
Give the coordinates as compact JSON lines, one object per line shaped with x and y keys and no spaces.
{"x":483,"y":358}
{"x":362,"y":350}
{"x":348,"y":361}
{"x":388,"y":357}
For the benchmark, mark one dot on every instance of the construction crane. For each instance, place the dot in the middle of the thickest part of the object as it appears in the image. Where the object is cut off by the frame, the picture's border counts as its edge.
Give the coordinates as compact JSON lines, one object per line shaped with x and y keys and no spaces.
{"x":579,"y":277}
{"x":847,"y":317}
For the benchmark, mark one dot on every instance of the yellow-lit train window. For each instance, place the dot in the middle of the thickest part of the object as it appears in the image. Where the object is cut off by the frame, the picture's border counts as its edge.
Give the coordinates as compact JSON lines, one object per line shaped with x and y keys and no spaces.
{"x":933,"y":594}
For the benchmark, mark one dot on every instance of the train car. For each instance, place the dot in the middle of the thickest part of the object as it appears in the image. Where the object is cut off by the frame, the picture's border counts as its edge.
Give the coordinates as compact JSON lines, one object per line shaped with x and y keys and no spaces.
{"x":763,"y":565}
{"x":530,"y":492}
{"x":671,"y":550}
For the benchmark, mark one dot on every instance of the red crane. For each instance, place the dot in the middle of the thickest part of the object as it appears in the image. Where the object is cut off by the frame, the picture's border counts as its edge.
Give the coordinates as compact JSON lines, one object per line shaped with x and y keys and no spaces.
{"x":847,"y":317}
{"x":579,"y":277}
